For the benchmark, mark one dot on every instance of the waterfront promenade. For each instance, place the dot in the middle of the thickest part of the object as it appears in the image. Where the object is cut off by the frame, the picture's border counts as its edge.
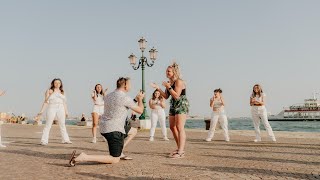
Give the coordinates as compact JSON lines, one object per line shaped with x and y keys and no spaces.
{"x":294,"y":156}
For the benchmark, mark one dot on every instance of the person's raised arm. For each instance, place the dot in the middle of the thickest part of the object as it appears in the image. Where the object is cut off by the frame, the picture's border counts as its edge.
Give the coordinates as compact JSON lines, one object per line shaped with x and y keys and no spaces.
{"x":138,"y":109}
{"x":176,"y":92}
{"x":94,"y":96}
{"x":105,"y":91}
{"x":2,"y":93}
{"x":163,"y":103}
{"x":162,"y":93}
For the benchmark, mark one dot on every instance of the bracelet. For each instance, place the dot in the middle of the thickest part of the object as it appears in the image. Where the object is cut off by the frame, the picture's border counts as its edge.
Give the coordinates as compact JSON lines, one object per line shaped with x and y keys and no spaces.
{"x":169,"y":88}
{"x":135,"y":100}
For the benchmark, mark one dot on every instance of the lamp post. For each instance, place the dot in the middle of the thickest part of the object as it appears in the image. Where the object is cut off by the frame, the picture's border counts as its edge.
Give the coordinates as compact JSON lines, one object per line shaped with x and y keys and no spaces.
{"x":143,"y":62}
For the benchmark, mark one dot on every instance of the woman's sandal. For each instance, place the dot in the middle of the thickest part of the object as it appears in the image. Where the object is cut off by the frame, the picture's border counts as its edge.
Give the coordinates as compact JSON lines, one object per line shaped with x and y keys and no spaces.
{"x":178,"y":155}
{"x":173,"y":153}
{"x":72,"y":161}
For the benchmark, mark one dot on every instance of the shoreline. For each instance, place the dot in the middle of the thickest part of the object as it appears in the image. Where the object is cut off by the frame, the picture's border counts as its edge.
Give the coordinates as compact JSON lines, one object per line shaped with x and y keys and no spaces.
{"x":248,"y":133}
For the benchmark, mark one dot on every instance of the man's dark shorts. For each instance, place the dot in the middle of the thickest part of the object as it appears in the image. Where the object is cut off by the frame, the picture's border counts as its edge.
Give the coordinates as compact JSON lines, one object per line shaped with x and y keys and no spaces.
{"x":115,"y":142}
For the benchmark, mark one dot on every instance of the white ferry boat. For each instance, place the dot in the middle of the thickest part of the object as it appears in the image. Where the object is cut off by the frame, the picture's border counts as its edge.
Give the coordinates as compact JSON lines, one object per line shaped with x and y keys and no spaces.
{"x":307,"y":111}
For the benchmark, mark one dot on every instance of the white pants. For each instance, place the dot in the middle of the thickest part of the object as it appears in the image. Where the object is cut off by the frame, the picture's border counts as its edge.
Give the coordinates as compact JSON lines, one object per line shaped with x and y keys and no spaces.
{"x":222,"y":118}
{"x":158,"y":114}
{"x":55,"y":111}
{"x":259,"y":113}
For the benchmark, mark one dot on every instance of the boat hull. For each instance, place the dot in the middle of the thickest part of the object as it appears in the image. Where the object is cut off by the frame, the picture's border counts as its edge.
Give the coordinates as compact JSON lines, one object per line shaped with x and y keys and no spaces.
{"x":295,"y":119}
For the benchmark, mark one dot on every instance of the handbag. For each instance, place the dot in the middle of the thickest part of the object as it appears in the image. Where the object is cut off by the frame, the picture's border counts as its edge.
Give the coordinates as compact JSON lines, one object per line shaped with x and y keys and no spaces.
{"x":131,"y":122}
{"x":134,"y":121}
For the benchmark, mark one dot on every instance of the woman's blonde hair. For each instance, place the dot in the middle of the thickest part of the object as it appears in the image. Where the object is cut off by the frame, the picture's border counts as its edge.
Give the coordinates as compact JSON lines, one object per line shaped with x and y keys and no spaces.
{"x":176,"y":71}
{"x":254,"y":94}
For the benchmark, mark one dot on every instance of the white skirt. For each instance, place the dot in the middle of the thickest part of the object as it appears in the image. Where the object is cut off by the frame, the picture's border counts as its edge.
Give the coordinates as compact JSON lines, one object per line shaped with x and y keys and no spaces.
{"x":98,"y":109}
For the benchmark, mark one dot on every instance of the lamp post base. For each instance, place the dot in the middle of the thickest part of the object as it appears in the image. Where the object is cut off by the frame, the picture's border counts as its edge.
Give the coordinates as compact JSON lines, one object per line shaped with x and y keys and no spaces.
{"x":145,"y":124}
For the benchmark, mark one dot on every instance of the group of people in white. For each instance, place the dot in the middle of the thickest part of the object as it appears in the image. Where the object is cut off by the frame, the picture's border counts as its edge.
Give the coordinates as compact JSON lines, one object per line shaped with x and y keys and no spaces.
{"x":258,"y":113}
{"x":110,"y":113}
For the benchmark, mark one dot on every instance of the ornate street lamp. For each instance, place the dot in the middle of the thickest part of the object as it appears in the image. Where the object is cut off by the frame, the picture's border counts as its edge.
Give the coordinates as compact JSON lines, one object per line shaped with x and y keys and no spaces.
{"x":143,"y":62}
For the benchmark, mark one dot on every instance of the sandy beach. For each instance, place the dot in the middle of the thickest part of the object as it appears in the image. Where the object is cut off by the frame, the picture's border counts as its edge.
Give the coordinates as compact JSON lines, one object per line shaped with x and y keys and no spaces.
{"x":294,"y":156}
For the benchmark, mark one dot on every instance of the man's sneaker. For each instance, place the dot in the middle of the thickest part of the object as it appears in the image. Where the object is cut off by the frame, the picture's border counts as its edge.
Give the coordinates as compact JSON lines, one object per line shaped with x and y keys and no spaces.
{"x":94,"y":140}
{"x":151,"y":139}
{"x":208,"y":139}
{"x":166,"y":139}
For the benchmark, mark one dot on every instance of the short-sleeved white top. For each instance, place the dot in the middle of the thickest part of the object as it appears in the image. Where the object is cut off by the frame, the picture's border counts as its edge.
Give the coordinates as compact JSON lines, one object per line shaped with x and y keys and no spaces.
{"x":116,"y":107}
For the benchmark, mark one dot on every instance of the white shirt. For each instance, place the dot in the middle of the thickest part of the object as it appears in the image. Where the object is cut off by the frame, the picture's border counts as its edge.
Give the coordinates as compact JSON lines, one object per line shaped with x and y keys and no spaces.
{"x":99,"y":100}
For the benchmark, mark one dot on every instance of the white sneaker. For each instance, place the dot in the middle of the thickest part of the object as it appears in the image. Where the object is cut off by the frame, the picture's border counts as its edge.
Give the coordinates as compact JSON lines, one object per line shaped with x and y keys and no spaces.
{"x":43,"y":143}
{"x":274,"y":140}
{"x":94,"y":140}
{"x":257,"y":140}
{"x":208,"y":139}
{"x":67,"y":142}
{"x":228,"y":140}
{"x":2,"y":146}
{"x":166,"y":139}
{"x":151,"y":139}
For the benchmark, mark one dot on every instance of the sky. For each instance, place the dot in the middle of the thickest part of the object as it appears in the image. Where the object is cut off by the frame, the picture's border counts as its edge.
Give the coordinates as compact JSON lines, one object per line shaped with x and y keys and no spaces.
{"x":229,"y":44}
